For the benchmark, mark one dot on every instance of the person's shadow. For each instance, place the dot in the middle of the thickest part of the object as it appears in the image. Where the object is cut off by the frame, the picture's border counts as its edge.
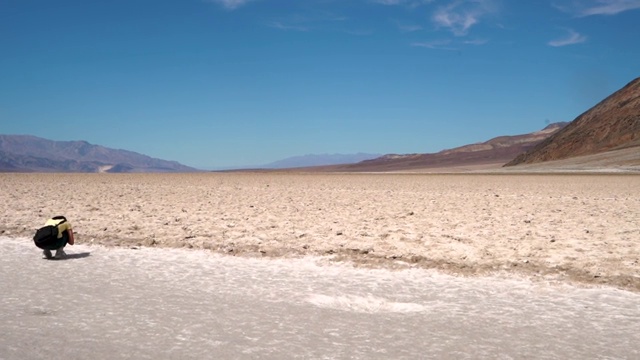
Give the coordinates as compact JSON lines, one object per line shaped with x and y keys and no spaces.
{"x":76,"y":256}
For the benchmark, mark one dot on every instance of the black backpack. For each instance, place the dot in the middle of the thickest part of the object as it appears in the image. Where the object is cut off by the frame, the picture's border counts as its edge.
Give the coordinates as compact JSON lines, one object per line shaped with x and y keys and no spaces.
{"x":47,"y":236}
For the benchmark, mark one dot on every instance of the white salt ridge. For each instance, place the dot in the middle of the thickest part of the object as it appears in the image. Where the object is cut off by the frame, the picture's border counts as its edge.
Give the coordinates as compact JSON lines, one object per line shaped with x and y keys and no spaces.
{"x":173,"y":303}
{"x":364,"y":304}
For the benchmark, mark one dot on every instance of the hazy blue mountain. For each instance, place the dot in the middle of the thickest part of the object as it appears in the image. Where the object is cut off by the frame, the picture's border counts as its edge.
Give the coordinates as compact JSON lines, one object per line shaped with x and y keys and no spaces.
{"x":319,"y":160}
{"x":26,"y":153}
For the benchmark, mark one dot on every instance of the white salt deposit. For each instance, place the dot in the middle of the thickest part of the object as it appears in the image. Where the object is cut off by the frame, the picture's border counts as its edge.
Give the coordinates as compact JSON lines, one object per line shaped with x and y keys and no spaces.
{"x":172,"y":303}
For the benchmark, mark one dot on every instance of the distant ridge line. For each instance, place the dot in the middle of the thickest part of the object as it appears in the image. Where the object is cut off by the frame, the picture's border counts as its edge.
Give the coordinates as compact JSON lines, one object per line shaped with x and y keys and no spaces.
{"x":28,"y":153}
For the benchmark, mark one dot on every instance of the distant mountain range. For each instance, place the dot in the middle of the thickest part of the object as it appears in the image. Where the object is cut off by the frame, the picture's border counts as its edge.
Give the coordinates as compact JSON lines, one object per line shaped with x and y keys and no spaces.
{"x":25,"y":153}
{"x":496,"y":151}
{"x":606,"y":135}
{"x":319,"y":160}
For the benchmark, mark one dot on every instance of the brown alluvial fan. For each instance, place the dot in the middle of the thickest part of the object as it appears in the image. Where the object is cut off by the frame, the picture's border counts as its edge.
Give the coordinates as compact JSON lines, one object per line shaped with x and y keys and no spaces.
{"x":613,"y":124}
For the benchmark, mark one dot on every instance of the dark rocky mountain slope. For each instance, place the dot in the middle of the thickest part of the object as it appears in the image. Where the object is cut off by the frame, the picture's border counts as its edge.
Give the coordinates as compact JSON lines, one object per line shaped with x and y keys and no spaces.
{"x":613,"y":124}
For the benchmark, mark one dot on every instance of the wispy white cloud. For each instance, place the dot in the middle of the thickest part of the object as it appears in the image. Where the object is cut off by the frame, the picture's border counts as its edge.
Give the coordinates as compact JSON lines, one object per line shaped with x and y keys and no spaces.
{"x":230,"y":4}
{"x":307,"y":21}
{"x":409,"y":3}
{"x":460,"y":15}
{"x":597,"y":7}
{"x":475,"y":42}
{"x":329,"y":16}
{"x":449,"y":44}
{"x":409,"y":27}
{"x":281,"y":26}
{"x":570,"y":39}
{"x":360,"y":32}
{"x":435,"y":45}
{"x":389,"y":2}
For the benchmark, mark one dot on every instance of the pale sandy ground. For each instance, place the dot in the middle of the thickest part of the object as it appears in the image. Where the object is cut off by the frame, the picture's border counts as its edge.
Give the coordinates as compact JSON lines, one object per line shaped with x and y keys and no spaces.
{"x":579,"y":228}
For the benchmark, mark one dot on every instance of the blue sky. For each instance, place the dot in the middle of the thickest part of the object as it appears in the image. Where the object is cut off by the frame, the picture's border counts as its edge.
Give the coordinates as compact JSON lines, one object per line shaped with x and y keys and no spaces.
{"x":246,"y":82}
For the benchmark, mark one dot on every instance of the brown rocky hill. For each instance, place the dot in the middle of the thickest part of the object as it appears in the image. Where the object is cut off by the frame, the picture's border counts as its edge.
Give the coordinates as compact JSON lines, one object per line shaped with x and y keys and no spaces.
{"x":496,"y":151}
{"x":613,"y":124}
{"x":25,"y":153}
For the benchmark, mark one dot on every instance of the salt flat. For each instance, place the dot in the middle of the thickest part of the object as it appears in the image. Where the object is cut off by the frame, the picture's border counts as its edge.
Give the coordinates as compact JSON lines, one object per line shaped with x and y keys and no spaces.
{"x":146,"y":303}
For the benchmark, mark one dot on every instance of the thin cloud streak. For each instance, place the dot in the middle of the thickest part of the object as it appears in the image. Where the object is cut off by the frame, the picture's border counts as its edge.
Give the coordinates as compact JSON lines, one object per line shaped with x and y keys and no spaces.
{"x":280,"y":26}
{"x":308,"y":21}
{"x":361,"y":32}
{"x":389,"y":2}
{"x":410,"y":3}
{"x":476,"y":42}
{"x":599,"y":7}
{"x":612,"y":7}
{"x":230,"y":4}
{"x":409,"y":28}
{"x":435,"y":45}
{"x":571,"y":39}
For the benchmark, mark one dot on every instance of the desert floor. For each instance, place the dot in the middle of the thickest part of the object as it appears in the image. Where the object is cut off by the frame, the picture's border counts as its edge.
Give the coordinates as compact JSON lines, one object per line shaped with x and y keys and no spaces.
{"x":578,"y":228}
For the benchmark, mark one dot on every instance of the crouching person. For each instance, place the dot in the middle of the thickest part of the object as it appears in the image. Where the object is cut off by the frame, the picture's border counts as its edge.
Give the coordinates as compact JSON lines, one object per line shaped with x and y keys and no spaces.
{"x":55,"y":235}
